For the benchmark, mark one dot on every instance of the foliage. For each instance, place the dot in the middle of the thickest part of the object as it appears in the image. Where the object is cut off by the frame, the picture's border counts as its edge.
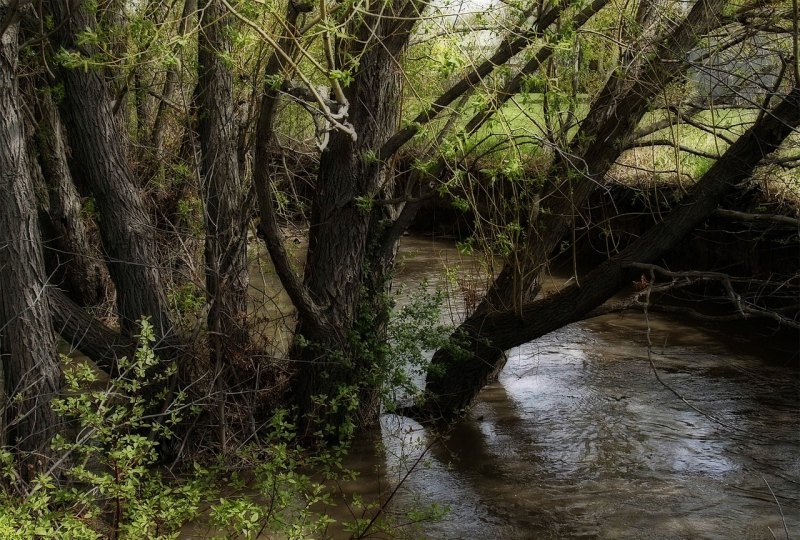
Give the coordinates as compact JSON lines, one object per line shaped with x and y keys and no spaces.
{"x":109,"y":486}
{"x":415,"y":330}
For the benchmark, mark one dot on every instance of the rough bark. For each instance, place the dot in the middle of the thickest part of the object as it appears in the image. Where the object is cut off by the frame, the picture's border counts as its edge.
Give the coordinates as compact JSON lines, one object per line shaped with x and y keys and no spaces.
{"x":454,"y":381}
{"x":223,"y":194}
{"x":99,"y":149}
{"x":30,"y":365}
{"x":85,"y":333}
{"x":340,"y":352}
{"x":340,"y":233}
{"x":85,"y":275}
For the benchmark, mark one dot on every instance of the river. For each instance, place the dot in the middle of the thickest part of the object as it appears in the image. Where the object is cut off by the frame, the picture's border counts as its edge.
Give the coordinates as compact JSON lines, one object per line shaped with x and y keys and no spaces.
{"x":580,"y":438}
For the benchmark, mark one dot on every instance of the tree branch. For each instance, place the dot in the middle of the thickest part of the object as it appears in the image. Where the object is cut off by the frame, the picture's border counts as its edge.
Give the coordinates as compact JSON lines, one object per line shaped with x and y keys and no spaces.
{"x":672,"y":144}
{"x":772,"y":218}
{"x":280,"y":63}
{"x":453,"y":382}
{"x":512,"y":45}
{"x":85,"y":333}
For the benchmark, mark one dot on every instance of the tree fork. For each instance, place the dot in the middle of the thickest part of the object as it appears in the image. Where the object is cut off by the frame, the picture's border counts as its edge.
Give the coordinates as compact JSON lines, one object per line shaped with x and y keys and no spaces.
{"x":85,"y":274}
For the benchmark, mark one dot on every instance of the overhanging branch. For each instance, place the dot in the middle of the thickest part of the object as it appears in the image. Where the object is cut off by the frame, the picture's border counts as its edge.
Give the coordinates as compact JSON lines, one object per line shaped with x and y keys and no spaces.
{"x":453,"y":382}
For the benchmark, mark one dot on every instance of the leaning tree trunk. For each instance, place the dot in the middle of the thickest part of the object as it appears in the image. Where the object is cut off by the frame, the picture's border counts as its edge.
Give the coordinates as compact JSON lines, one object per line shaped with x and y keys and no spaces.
{"x":99,"y":149}
{"x":84,"y":274}
{"x":223,"y":193}
{"x":30,"y":366}
{"x":454,"y":382}
{"x":601,"y":138}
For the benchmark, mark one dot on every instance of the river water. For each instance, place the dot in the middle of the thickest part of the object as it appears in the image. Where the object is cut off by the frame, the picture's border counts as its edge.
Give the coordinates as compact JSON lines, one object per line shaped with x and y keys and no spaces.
{"x":580,"y":438}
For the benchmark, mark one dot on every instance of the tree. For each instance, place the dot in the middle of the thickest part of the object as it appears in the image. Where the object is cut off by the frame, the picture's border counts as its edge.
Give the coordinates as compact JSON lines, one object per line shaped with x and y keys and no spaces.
{"x":225,"y":214}
{"x":99,"y":144}
{"x":355,"y":223}
{"x":456,"y":381}
{"x":30,"y":367}
{"x":171,"y":111}
{"x":581,"y":167}
{"x":456,"y":375}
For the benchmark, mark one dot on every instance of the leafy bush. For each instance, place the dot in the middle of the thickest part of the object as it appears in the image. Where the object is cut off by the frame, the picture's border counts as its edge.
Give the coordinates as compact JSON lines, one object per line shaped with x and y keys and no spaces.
{"x":106,"y":481}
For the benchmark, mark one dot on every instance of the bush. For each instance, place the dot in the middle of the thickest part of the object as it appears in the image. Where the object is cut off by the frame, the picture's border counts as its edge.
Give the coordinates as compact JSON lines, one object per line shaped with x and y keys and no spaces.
{"x":106,"y":481}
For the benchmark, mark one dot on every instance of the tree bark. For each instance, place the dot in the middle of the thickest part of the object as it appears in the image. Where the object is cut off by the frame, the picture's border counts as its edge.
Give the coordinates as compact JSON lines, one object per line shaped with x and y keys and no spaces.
{"x":30,"y":366}
{"x":339,"y":241}
{"x":339,"y":361}
{"x":268,"y":228}
{"x":455,"y":380}
{"x":99,"y":149}
{"x":85,"y":275}
{"x":223,"y":193}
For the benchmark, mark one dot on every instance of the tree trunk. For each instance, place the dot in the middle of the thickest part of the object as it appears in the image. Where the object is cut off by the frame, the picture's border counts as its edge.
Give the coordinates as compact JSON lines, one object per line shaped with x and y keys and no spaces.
{"x":338,"y":373}
{"x":339,"y":247}
{"x":85,"y":276}
{"x":600,"y":140}
{"x":455,"y":380}
{"x":223,"y":193}
{"x":30,"y":366}
{"x":99,"y":149}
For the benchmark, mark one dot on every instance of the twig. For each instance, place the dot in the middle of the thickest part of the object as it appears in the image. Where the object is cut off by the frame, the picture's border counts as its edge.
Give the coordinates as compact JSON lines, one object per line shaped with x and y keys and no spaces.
{"x":783,"y":518}
{"x":397,"y":488}
{"x":655,"y":371}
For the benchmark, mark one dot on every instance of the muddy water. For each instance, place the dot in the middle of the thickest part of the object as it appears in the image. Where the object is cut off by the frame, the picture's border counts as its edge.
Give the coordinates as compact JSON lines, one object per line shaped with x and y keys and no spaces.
{"x":579,"y":438}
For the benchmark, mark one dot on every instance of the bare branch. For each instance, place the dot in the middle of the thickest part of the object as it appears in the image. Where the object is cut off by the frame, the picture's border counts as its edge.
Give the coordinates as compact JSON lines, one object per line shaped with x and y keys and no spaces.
{"x":772,"y":218}
{"x":512,"y":45}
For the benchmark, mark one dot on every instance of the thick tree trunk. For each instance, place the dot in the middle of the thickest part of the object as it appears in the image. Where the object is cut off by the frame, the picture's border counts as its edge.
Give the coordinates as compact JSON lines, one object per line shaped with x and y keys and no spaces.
{"x":85,"y":275}
{"x":339,"y":248}
{"x":30,"y":365}
{"x":341,"y":300}
{"x":223,"y":193}
{"x":454,"y":380}
{"x":338,"y":374}
{"x":99,"y":149}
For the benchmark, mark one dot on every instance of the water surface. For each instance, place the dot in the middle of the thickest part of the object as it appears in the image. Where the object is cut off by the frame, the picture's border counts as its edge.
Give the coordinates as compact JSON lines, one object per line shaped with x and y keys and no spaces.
{"x":579,"y":438}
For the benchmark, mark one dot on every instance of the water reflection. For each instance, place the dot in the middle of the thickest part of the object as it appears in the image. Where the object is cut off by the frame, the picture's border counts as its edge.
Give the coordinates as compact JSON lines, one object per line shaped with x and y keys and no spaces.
{"x":579,"y":438}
